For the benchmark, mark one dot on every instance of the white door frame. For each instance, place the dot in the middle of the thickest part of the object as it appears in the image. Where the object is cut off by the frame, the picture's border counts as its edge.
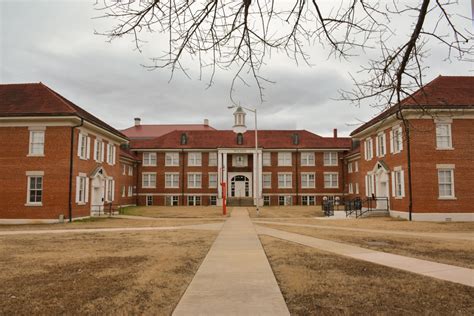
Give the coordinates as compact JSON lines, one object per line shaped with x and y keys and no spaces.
{"x":230,"y":175}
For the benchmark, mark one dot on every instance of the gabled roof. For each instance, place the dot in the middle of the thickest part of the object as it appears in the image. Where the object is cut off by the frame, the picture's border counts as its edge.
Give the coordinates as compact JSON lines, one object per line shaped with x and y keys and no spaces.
{"x":36,"y":99}
{"x":152,"y":131}
{"x":269,"y":139}
{"x":444,"y":92}
{"x":126,"y":153}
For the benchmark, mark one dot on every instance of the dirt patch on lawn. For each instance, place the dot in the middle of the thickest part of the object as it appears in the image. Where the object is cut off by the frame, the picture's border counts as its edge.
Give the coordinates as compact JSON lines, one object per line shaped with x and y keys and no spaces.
{"x":286,"y":212}
{"x":113,"y":273}
{"x":176,"y":212}
{"x":454,"y":252}
{"x":318,"y":283}
{"x":388,"y":223}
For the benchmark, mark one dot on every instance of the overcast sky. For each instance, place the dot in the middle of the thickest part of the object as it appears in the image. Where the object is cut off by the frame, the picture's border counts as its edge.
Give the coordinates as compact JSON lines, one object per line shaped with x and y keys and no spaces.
{"x":54,"y":42}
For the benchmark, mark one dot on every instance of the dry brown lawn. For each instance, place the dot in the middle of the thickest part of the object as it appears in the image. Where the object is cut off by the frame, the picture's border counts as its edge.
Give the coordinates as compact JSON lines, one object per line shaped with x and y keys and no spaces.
{"x":109,"y":273}
{"x":318,"y":283}
{"x":105,"y":222}
{"x":388,"y":223}
{"x":454,"y":252}
{"x":176,"y":211}
{"x":286,"y":212}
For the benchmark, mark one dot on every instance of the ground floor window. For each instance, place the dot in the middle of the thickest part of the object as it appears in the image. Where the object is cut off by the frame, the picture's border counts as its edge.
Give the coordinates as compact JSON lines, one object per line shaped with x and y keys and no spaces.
{"x":194,"y":200}
{"x":213,"y":200}
{"x":35,"y":189}
{"x":149,"y":200}
{"x":446,"y":183}
{"x":266,"y":200}
{"x":285,"y":200}
{"x":130,"y":190}
{"x":307,"y":200}
{"x":172,"y":200}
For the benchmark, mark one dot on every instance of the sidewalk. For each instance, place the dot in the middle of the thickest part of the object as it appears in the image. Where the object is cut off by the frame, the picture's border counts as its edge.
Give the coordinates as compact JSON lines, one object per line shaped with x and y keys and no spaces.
{"x":235,"y":278}
{"x":428,"y":268}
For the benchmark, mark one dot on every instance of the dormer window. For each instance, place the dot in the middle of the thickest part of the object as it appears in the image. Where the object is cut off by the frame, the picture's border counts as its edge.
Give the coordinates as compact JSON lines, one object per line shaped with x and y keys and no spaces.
{"x":296,"y":139}
{"x":184,"y":139}
{"x":240,"y":139}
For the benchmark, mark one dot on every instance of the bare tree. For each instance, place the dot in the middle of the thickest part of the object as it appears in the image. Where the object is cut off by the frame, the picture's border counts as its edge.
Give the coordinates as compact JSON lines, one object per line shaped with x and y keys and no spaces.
{"x":241,"y":36}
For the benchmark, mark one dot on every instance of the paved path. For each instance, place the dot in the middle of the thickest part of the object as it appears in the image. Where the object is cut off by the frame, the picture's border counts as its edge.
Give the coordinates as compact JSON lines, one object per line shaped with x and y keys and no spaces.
{"x":213,"y":226}
{"x":458,"y":236}
{"x":235,"y":278}
{"x":432,"y":269}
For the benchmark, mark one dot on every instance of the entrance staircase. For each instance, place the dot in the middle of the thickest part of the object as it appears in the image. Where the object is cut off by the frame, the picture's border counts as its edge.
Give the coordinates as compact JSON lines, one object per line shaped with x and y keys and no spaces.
{"x":240,"y":201}
{"x":369,"y":207}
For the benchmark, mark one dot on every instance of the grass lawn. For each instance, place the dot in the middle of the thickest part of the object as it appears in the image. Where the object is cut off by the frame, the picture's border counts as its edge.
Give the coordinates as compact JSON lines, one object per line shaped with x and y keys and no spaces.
{"x":286,"y":212}
{"x":454,"y":252}
{"x":104,"y":273}
{"x":176,"y":211}
{"x":389,"y":223}
{"x":319,"y":283}
{"x":105,"y":222}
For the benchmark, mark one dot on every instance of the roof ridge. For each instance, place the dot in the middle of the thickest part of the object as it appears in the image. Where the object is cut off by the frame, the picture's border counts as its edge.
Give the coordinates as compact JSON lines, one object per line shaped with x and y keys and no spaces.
{"x":22,"y":83}
{"x":60,"y":97}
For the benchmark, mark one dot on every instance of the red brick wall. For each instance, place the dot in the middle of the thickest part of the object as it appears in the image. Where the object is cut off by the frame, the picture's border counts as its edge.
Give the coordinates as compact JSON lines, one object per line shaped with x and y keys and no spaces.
{"x":127,"y":181}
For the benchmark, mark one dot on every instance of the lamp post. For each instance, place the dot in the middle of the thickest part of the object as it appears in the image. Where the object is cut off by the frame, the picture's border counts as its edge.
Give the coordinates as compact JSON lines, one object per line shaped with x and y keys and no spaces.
{"x":238,"y":129}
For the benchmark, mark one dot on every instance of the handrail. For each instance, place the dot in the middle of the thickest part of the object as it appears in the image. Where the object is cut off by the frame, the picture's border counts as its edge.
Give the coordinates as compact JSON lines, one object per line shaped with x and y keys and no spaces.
{"x":106,"y":208}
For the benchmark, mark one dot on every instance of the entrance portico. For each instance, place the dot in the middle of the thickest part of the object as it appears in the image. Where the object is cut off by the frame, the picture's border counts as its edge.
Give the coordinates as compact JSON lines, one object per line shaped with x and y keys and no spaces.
{"x":240,"y":183}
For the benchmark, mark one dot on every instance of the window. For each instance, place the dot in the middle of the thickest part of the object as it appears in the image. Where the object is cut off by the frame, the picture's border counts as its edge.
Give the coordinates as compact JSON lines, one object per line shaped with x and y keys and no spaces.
{"x":267,"y":159}
{"x":35,"y":190}
{"x":284,"y":159}
{"x":284,"y":180}
{"x":396,"y":140}
{"x":307,"y":159}
{"x":149,"y":180}
{"x":212,"y":159}
{"x":194,"y":200}
{"x":172,"y":159}
{"x":194,"y":180}
{"x":351,"y":189}
{"x":130,"y":170}
{"x":123,"y":191}
{"x":308,"y":180}
{"x":443,"y":136}
{"x":446,"y":183}
{"x":284,"y":200}
{"x":356,"y":166}
{"x":36,"y":143}
{"x":330,"y":158}
{"x":212,"y":180}
{"x":110,"y":190}
{"x":82,"y":186}
{"x":398,"y":178}
{"x":239,"y":161}
{"x":149,"y":200}
{"x":194,"y":159}
{"x":380,"y":145}
{"x":98,"y":150}
{"x":267,"y":180}
{"x":213,"y":200}
{"x":110,"y":154}
{"x":124,"y":169}
{"x":171,"y":200}
{"x":130,"y":191}
{"x":369,"y":185}
{"x":149,"y":159}
{"x":307,"y":200}
{"x":368,"y":149}
{"x":266,"y":200}
{"x":356,"y":188}
{"x":349,"y":167}
{"x":171,"y":180}
{"x":331,"y":180}
{"x":83,"y":146}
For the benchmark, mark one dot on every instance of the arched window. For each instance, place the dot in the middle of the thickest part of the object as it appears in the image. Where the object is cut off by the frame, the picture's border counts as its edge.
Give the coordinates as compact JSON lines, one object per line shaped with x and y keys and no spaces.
{"x":240,"y":139}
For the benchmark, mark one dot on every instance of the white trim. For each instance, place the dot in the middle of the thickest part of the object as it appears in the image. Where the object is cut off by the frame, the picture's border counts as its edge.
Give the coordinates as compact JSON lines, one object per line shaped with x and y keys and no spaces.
{"x":286,"y":174}
{"x":332,"y":186}
{"x":308,"y":174}
{"x":34,"y":173}
{"x":173,"y":174}
{"x":148,"y":186}
{"x":435,"y":217}
{"x":445,"y":166}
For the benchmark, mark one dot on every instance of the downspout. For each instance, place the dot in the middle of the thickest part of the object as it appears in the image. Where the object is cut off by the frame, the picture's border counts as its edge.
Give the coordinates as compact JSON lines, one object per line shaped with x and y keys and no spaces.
{"x":71,"y":165}
{"x":182,"y":178}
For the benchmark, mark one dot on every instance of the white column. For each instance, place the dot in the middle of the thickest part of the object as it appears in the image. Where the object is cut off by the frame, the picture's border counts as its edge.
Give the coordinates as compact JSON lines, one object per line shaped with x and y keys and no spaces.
{"x":225,"y":173}
{"x":219,"y":176}
{"x":255,"y":177}
{"x":260,"y":177}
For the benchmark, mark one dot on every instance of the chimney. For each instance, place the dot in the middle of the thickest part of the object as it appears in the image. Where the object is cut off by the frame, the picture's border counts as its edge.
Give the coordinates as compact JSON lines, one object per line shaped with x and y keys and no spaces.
{"x":335,"y":132}
{"x":137,"y":121}
{"x":206,"y":122}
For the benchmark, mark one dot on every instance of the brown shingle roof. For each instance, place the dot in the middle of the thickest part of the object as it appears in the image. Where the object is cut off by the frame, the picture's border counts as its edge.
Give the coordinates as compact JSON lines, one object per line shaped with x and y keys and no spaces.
{"x":442,"y":92}
{"x":280,"y":139}
{"x":152,"y":131}
{"x":36,"y":99}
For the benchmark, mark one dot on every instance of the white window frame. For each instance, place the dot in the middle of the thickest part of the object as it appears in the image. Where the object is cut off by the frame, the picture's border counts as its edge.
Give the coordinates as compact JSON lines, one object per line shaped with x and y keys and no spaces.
{"x":172,"y":200}
{"x":396,"y":139}
{"x":331,"y":182}
{"x":368,"y":149}
{"x":171,"y":180}
{"x":308,"y":159}
{"x":212,"y":159}
{"x":30,"y":175}
{"x":150,"y":159}
{"x":111,"y":153}
{"x":310,"y":200}
{"x":266,"y":180}
{"x":110,"y":190}
{"x":130,"y":191}
{"x":284,"y":159}
{"x":212,"y":184}
{"x":398,"y":183}
{"x":381,"y":145}
{"x":124,"y":191}
{"x":266,"y":200}
{"x":130,"y":170}
{"x":349,"y":167}
{"x":82,"y":189}
{"x":124,"y":169}
{"x":306,"y":182}
{"x":287,"y":200}
{"x":369,"y":185}
{"x":351,"y":188}
{"x":439,"y":145}
{"x":31,"y":143}
{"x":99,"y":148}
{"x":285,"y":180}
{"x":147,"y":177}
{"x":266,"y":159}
{"x":194,"y":159}
{"x":194,"y":180}
{"x":83,"y":145}
{"x":239,"y":160}
{"x":330,"y":158}
{"x":149,"y":200}
{"x":171,"y":159}
{"x":356,"y":166}
{"x":213,"y":200}
{"x":356,"y":188}
{"x":193,"y":200}
{"x":449,"y":169}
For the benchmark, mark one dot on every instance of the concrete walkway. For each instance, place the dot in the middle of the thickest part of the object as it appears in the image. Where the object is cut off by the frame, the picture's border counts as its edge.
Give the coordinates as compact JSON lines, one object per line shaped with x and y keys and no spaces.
{"x":212,"y":226}
{"x":456,"y":236}
{"x":428,"y":268}
{"x":235,"y":278}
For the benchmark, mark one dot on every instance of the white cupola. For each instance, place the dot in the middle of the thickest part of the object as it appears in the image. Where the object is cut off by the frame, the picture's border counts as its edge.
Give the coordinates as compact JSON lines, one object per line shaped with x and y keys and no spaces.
{"x":239,"y":121}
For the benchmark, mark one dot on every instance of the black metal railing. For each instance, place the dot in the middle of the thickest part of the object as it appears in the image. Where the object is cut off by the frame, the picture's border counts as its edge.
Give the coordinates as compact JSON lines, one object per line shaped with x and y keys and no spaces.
{"x":371,"y":204}
{"x":104,"y":209}
{"x":353,"y":206}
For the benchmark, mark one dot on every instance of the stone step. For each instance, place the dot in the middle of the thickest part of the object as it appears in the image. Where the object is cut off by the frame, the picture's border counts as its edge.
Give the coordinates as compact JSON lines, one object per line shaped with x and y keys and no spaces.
{"x":247,"y":201}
